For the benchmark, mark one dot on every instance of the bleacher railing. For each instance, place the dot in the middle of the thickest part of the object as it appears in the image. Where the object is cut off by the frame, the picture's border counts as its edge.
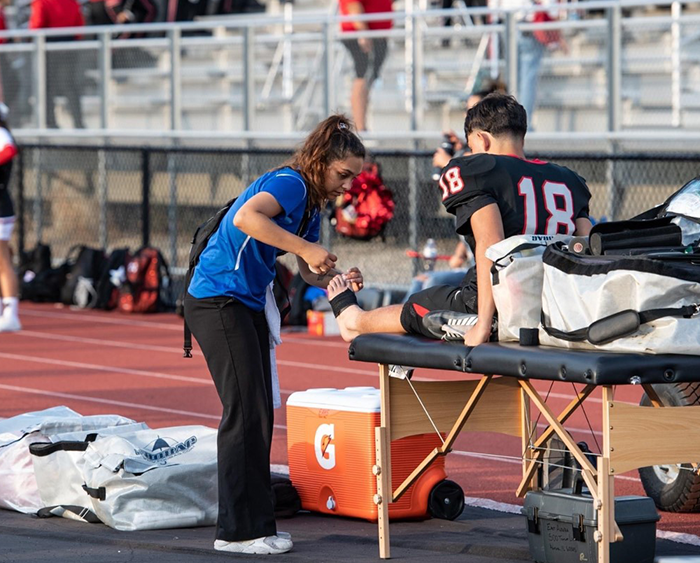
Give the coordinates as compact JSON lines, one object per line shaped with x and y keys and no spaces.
{"x":632,"y":67}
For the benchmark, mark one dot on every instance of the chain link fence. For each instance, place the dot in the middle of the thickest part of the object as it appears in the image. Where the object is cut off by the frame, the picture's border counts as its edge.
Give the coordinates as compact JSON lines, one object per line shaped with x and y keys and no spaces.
{"x":111,"y":197}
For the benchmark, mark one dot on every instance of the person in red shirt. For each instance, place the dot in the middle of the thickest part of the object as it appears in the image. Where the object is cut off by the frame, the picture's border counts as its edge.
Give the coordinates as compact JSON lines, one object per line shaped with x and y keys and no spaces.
{"x":367,"y":53}
{"x":63,"y":75}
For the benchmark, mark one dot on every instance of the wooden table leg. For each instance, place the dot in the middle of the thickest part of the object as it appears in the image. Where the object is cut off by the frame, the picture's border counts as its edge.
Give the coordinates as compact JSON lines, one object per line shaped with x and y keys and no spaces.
{"x":608,"y":531}
{"x":382,"y":468}
{"x":606,"y":510}
{"x":383,"y":496}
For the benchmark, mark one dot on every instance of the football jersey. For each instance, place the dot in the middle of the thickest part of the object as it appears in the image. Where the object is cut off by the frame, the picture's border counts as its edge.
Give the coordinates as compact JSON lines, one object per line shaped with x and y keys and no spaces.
{"x":533,"y":197}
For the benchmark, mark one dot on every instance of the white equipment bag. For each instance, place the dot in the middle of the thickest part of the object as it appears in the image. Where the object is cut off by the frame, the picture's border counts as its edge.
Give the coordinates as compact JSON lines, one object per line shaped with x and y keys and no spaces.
{"x":516,"y":281}
{"x":139,"y":480}
{"x":620,"y":303}
{"x":18,"y":487}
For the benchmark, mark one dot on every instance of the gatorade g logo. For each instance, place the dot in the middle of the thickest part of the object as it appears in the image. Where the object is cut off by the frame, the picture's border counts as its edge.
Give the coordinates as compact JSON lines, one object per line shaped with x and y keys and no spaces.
{"x":324,"y":446}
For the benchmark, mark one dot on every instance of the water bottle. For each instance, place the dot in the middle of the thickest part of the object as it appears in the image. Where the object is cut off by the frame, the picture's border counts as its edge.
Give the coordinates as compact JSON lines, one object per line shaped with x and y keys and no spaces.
{"x":448,"y":146}
{"x":430,"y":253}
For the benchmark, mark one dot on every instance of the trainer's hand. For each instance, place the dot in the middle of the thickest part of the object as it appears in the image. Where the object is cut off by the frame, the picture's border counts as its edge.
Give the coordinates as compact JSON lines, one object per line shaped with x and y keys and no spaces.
{"x":319,"y":260}
{"x":478,"y":334}
{"x":354,"y":277}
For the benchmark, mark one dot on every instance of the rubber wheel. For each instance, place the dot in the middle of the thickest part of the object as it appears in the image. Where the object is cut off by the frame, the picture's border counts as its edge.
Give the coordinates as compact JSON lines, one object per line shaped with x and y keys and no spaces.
{"x":446,"y":500}
{"x":673,"y":489}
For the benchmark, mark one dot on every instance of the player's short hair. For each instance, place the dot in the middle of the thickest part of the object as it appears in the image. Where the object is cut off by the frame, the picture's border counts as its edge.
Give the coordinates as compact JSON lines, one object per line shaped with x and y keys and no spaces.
{"x":498,"y":114}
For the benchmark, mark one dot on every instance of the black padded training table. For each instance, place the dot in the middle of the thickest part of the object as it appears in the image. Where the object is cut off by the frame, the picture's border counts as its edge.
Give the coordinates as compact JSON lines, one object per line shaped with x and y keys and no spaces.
{"x":500,"y":401}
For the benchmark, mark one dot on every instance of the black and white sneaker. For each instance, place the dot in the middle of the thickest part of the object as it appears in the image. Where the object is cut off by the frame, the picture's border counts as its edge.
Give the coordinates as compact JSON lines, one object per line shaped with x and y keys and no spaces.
{"x":400,"y":372}
{"x":449,"y":325}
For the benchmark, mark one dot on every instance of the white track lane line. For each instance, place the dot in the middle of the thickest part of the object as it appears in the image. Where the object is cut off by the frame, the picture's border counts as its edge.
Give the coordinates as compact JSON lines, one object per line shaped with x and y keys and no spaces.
{"x":176,"y":351}
{"x":113,"y":343}
{"x":195,"y":352}
{"x":206,"y":381}
{"x":127,"y":321}
{"x":141,"y":406}
{"x":95,"y":367}
{"x":117,"y":320}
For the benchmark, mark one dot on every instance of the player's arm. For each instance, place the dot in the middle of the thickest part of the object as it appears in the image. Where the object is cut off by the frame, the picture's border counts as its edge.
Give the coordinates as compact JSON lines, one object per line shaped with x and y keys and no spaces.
{"x":583,"y":227}
{"x":487,"y":227}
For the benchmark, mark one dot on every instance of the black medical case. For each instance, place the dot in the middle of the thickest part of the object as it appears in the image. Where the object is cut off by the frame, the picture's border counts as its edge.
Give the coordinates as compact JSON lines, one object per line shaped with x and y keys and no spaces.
{"x":561,"y":527}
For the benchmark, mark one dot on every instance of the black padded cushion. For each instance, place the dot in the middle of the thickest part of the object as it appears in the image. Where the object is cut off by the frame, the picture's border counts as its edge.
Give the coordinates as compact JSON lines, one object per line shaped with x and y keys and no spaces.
{"x":408,"y":350}
{"x":528,"y":362}
{"x":581,"y":366}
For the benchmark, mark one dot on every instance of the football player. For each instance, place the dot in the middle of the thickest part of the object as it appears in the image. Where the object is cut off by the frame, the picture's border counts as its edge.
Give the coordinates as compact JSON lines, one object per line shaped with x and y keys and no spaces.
{"x":494,"y":193}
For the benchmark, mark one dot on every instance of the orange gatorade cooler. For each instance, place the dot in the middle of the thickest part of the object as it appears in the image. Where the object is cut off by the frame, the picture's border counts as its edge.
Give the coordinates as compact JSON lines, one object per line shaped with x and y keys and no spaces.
{"x":331,"y":451}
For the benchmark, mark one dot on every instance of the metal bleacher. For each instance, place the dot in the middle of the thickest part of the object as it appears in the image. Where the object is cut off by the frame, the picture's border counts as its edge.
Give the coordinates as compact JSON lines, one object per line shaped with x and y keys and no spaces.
{"x":198,"y":78}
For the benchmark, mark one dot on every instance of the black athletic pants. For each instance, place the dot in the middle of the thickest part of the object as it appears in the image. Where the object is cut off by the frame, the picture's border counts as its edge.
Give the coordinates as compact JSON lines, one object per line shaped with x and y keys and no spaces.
{"x":235,"y":343}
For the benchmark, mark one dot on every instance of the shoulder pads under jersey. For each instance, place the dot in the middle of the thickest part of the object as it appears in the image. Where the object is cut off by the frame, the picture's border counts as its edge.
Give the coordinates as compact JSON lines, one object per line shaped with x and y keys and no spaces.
{"x":474,"y":164}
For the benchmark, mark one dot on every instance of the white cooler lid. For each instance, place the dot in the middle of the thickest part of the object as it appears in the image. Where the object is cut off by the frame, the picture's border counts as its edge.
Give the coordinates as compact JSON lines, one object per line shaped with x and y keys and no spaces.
{"x":353,"y":399}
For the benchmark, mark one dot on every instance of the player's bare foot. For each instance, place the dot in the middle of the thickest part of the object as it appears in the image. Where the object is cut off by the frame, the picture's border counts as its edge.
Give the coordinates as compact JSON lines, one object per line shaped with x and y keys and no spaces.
{"x":345,"y":307}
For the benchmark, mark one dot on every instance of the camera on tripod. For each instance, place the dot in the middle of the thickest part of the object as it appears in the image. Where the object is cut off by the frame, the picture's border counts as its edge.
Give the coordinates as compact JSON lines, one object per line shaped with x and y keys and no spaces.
{"x":449,"y":147}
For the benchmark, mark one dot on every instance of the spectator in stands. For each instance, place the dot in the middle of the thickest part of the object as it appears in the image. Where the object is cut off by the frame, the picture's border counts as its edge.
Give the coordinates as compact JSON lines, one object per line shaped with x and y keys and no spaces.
{"x":9,"y":285}
{"x":227,"y":310}
{"x":108,"y":12}
{"x":532,"y":45}
{"x":494,"y":194}
{"x":368,"y":54}
{"x":63,"y":70}
{"x":15,"y":79}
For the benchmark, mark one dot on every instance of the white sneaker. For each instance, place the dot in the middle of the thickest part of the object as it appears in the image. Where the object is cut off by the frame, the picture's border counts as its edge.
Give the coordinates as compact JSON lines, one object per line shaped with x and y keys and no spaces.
{"x":10,"y":324}
{"x":267,"y":545}
{"x":284,"y":535}
{"x":449,"y":325}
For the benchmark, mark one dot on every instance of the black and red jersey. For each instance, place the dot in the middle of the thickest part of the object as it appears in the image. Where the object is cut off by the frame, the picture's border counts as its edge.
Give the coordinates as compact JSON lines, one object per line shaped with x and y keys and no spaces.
{"x":533,"y":197}
{"x":8,"y":150}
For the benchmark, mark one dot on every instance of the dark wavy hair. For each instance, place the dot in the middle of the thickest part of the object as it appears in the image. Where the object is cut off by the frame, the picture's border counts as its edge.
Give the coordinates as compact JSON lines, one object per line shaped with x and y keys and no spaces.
{"x":332,"y":139}
{"x":498,"y":114}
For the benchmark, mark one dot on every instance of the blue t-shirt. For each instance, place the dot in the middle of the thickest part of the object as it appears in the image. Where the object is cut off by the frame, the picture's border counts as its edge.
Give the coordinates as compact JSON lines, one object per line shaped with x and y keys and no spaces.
{"x":240,"y":266}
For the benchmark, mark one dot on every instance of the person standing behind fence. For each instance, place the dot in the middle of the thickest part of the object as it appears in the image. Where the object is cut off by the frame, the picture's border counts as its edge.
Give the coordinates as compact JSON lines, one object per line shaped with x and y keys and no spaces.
{"x":226,"y":309}
{"x":9,"y":285}
{"x":63,"y":76}
{"x":532,"y":46}
{"x":368,"y":54}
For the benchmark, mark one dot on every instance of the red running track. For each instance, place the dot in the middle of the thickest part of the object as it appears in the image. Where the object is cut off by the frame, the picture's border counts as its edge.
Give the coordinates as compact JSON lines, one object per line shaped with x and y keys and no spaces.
{"x":109,"y":363}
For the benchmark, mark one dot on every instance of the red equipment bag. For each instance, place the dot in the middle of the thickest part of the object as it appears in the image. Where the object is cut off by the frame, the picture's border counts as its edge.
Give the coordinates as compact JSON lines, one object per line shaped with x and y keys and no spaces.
{"x":365,"y":209}
{"x":146,"y":277}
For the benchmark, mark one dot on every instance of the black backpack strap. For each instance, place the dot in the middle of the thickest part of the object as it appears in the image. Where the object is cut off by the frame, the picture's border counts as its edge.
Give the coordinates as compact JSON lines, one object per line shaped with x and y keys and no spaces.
{"x":187,"y":341}
{"x":617,"y":325}
{"x":81,"y":512}
{"x":187,"y":333}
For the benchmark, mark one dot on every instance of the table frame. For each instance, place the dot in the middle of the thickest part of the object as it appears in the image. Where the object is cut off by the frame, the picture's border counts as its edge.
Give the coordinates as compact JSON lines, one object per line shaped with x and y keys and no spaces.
{"x":502,"y":404}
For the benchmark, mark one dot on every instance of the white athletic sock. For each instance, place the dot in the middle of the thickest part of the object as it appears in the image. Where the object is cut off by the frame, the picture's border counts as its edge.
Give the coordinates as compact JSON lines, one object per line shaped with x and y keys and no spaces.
{"x":10,"y":307}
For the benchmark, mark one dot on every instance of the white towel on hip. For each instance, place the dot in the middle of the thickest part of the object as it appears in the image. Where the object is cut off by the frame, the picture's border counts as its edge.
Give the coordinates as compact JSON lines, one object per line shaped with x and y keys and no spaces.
{"x":274,"y":322}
